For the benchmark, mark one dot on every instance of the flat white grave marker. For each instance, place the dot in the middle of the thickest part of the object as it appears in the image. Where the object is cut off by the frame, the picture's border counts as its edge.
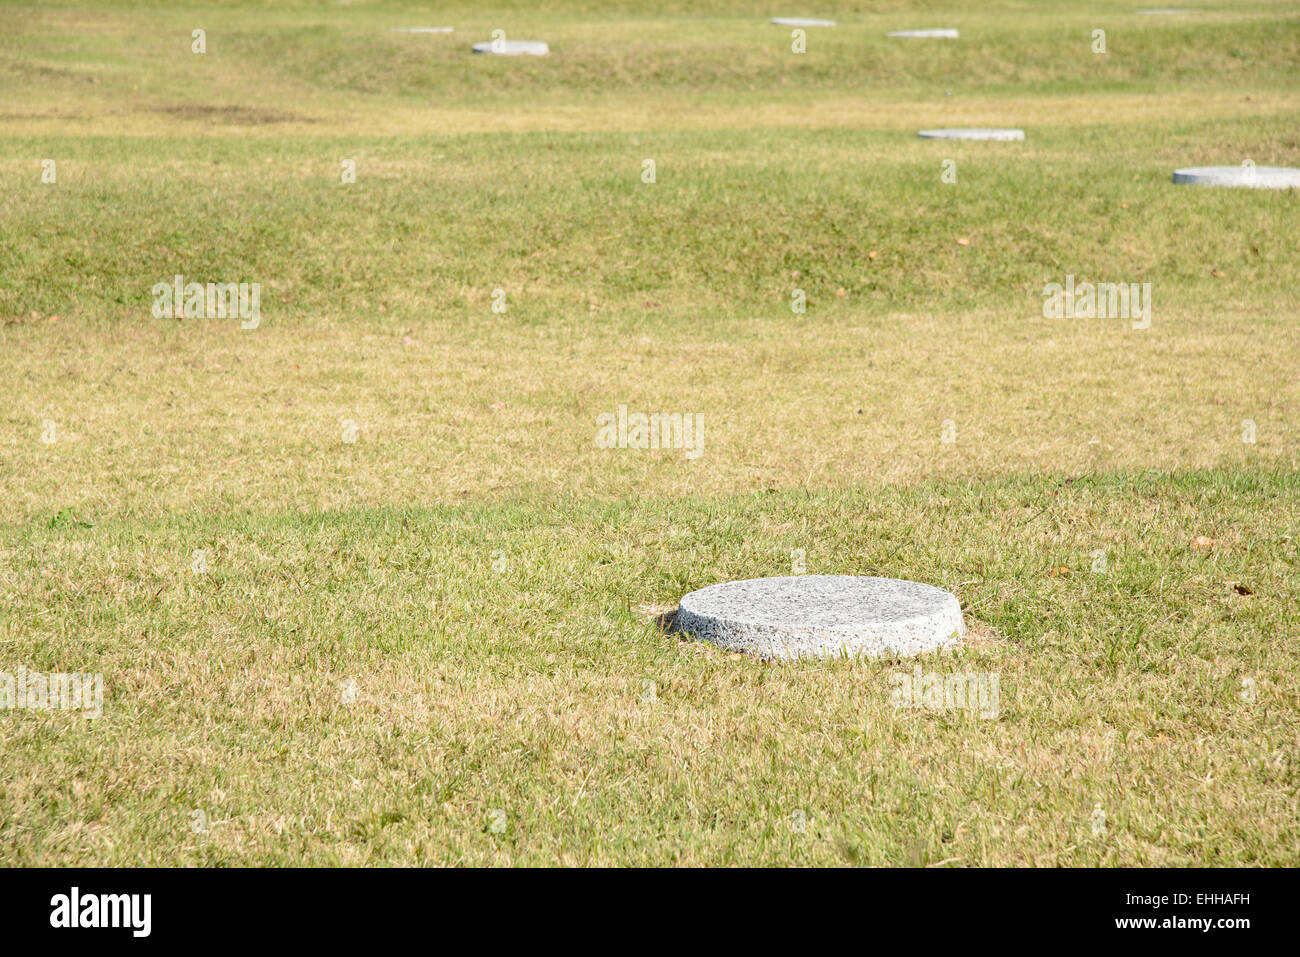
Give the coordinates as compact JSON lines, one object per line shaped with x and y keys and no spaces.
{"x":972,"y":134}
{"x":942,"y":33}
{"x":822,"y":616}
{"x":801,"y":22}
{"x":512,"y":48}
{"x":1256,"y":177}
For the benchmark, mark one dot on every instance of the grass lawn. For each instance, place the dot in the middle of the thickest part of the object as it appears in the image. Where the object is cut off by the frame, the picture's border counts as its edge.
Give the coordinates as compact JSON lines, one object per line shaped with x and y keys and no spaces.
{"x":362,"y":585}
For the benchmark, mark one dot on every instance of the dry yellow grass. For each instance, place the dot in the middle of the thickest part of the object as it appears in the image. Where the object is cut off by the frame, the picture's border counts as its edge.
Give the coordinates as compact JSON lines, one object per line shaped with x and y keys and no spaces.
{"x":437,"y":644}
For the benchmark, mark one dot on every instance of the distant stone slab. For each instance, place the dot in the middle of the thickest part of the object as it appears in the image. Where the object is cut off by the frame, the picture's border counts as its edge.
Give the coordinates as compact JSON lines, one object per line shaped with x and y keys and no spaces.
{"x":801,"y":22}
{"x":422,"y":30}
{"x":948,"y":34}
{"x":513,"y":48}
{"x":1257,"y":177}
{"x":822,"y":616}
{"x":972,"y":134}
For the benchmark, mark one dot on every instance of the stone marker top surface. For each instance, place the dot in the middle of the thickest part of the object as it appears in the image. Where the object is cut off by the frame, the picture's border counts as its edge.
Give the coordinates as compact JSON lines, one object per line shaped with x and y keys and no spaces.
{"x":942,"y":32}
{"x":513,"y":47}
{"x":819,"y":601}
{"x":822,"y":616}
{"x":802,"y":22}
{"x":972,"y":134}
{"x":1258,"y":177}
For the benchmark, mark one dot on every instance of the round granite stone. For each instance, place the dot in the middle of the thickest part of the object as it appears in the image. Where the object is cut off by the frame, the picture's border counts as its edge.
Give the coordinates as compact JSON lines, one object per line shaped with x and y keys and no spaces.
{"x":1257,"y":177}
{"x":801,"y":22}
{"x":822,"y":616}
{"x":972,"y":134}
{"x":942,"y":33}
{"x":513,"y":48}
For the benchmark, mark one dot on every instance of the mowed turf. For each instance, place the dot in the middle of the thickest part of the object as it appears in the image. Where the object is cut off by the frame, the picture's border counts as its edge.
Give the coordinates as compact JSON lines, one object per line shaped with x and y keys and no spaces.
{"x":438,"y":643}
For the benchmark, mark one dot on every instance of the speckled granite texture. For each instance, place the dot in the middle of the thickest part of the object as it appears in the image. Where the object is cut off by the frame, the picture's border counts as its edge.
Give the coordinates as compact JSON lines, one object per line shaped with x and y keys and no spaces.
{"x":822,"y":616}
